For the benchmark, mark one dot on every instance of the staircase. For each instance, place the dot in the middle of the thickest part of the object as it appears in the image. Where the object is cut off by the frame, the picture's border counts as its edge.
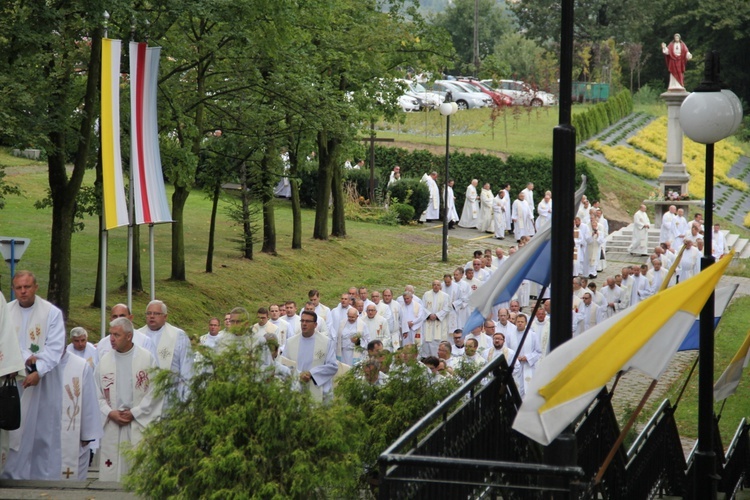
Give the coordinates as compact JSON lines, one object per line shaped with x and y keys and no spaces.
{"x":619,"y":242}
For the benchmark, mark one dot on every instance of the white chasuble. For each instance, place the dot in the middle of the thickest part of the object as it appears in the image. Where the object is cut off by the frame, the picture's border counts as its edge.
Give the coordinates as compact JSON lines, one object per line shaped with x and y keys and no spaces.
{"x":124,"y":382}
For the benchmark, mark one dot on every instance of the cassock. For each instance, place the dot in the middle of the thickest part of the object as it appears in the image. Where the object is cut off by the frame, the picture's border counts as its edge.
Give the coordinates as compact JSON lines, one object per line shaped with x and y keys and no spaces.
{"x":528,"y":197}
{"x":638,"y":289}
{"x":641,"y":224}
{"x":485,"y":222}
{"x":173,"y":353}
{"x":499,"y":207}
{"x":89,"y":354}
{"x":594,"y":241}
{"x":690,"y":264}
{"x":666,"y":233}
{"x":544,"y":211}
{"x":461,"y":302}
{"x":413,"y":313}
{"x":315,"y":354}
{"x":523,"y":221}
{"x":451,"y":206}
{"x":35,"y":447}
{"x":470,"y":212}
{"x":433,"y":207}
{"x":613,"y":298}
{"x":124,"y":382}
{"x":347,"y":351}
{"x":680,"y":230}
{"x":434,"y":331}
{"x":10,"y":362}
{"x":81,"y":420}
{"x":532,"y":349}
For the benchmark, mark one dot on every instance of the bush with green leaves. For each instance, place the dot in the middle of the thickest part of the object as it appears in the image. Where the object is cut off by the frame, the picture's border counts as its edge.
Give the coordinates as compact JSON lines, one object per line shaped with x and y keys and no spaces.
{"x":404,"y":212}
{"x":241,"y":433}
{"x":361,"y":178}
{"x":391,"y":409}
{"x":412,"y":192}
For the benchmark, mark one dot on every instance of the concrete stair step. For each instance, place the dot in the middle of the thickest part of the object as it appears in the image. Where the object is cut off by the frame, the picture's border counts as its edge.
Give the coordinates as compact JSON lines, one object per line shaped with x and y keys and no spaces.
{"x":745,"y":253}
{"x":740,"y":246}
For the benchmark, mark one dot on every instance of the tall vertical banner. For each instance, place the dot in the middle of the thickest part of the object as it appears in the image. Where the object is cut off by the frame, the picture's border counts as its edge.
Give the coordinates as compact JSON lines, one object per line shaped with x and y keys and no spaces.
{"x":150,"y":196}
{"x":113,"y":189}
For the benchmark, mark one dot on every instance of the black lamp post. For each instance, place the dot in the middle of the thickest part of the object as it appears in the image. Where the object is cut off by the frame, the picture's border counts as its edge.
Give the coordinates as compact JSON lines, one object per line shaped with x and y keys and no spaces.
{"x":447,"y":109}
{"x":707,"y":116}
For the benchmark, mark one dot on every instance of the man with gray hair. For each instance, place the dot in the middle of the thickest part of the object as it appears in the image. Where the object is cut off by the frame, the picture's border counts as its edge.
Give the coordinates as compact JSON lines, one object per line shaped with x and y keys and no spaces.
{"x":124,"y":380}
{"x":139,"y":339}
{"x":412,"y":317}
{"x":81,"y":347}
{"x":172,"y":345}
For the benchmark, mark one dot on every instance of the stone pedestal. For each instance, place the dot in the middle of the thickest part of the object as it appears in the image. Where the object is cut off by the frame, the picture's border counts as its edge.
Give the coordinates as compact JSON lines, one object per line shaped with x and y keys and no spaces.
{"x":660,"y":207}
{"x":674,"y":177}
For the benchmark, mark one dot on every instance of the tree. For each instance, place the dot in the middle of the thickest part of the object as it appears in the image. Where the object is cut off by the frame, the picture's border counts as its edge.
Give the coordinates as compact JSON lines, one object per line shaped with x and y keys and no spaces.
{"x":50,"y":86}
{"x":242,"y":433}
{"x":458,"y":20}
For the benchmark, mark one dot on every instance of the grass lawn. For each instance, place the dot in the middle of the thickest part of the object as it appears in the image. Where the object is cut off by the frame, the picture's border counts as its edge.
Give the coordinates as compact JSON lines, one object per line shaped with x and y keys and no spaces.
{"x":374,"y":256}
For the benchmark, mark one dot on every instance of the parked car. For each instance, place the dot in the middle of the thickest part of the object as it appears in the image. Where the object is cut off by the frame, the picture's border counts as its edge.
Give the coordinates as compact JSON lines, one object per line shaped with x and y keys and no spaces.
{"x":409,"y":103}
{"x":498,"y":98}
{"x":427,"y":99}
{"x":525,"y":95}
{"x":464,"y":97}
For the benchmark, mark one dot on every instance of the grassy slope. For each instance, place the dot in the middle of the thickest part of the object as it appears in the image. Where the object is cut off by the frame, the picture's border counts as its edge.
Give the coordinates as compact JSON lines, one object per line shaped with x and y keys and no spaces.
{"x":373,"y":255}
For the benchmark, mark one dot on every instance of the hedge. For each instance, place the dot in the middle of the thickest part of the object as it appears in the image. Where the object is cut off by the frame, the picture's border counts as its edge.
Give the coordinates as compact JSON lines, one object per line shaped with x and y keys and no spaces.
{"x":517,"y":171}
{"x":602,"y":115}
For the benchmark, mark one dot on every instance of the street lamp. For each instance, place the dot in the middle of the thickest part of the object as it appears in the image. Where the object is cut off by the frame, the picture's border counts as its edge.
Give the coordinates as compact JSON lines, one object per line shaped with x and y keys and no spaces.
{"x":707,"y":116}
{"x":447,"y":109}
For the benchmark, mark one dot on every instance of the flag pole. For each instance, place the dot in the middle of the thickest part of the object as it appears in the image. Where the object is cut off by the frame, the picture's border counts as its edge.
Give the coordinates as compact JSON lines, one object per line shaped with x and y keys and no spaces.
{"x":623,"y":433}
{"x":105,"y":233}
{"x":684,"y":386}
{"x":151,"y":259}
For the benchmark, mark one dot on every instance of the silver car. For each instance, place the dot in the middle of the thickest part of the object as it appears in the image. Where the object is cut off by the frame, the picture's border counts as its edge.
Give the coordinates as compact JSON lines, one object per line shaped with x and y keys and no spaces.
{"x":524,"y":95}
{"x":463,"y":96}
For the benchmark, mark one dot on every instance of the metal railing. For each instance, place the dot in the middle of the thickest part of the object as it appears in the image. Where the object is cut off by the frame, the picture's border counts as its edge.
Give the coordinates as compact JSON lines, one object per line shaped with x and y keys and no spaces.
{"x":466,"y":448}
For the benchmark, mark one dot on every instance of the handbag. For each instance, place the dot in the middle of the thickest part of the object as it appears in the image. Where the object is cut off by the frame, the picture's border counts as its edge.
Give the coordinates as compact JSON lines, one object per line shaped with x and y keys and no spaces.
{"x":10,"y":405}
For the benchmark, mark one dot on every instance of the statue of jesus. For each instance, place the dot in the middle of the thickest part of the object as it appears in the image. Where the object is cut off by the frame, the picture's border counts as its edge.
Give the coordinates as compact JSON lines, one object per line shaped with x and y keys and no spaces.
{"x":676,"y":55}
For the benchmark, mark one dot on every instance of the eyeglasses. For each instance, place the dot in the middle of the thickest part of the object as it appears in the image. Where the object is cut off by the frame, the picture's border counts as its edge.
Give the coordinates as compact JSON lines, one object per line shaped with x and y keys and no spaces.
{"x":152,"y":313}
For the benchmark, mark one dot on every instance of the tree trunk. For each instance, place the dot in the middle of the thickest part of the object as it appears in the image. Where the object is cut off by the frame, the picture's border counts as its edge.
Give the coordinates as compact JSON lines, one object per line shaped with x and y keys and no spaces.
{"x":296,"y":208}
{"x":266,"y":186}
{"x":247,"y":226}
{"x":179,"y":198}
{"x":338,"y":221}
{"x":212,"y":229}
{"x":325,"y":147}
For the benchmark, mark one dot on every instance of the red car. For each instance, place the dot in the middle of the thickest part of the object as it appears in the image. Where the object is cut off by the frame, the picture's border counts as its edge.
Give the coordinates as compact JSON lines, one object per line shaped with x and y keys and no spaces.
{"x":498,"y":98}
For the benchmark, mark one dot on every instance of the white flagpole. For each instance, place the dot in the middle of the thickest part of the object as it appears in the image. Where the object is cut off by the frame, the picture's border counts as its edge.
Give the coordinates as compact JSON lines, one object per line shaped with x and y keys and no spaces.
{"x":131,"y":213}
{"x":103,"y":291}
{"x":151,"y":259}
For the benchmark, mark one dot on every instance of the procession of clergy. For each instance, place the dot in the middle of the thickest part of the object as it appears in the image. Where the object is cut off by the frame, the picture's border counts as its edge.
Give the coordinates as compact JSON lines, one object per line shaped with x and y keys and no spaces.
{"x":82,"y":396}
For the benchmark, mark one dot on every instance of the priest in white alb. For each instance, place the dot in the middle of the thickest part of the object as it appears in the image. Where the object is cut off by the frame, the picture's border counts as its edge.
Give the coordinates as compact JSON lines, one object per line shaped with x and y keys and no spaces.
{"x":433,"y":207}
{"x":351,"y":337}
{"x":641,"y":225}
{"x":523,"y":221}
{"x":313,"y":355}
{"x":485,"y":222}
{"x":81,"y":420}
{"x":124,"y":380}
{"x":412,"y":317}
{"x":437,"y":306}
{"x":11,"y":363}
{"x":500,"y":205}
{"x":35,"y":447}
{"x":450,"y":207}
{"x":378,"y":328}
{"x":470,"y":212}
{"x":81,"y":347}
{"x":172,"y":345}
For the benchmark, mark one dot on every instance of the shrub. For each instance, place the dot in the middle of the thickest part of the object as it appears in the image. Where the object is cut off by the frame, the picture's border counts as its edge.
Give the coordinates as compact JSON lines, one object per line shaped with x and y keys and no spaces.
{"x":361,"y":178}
{"x":413,"y":192}
{"x":404,"y":212}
